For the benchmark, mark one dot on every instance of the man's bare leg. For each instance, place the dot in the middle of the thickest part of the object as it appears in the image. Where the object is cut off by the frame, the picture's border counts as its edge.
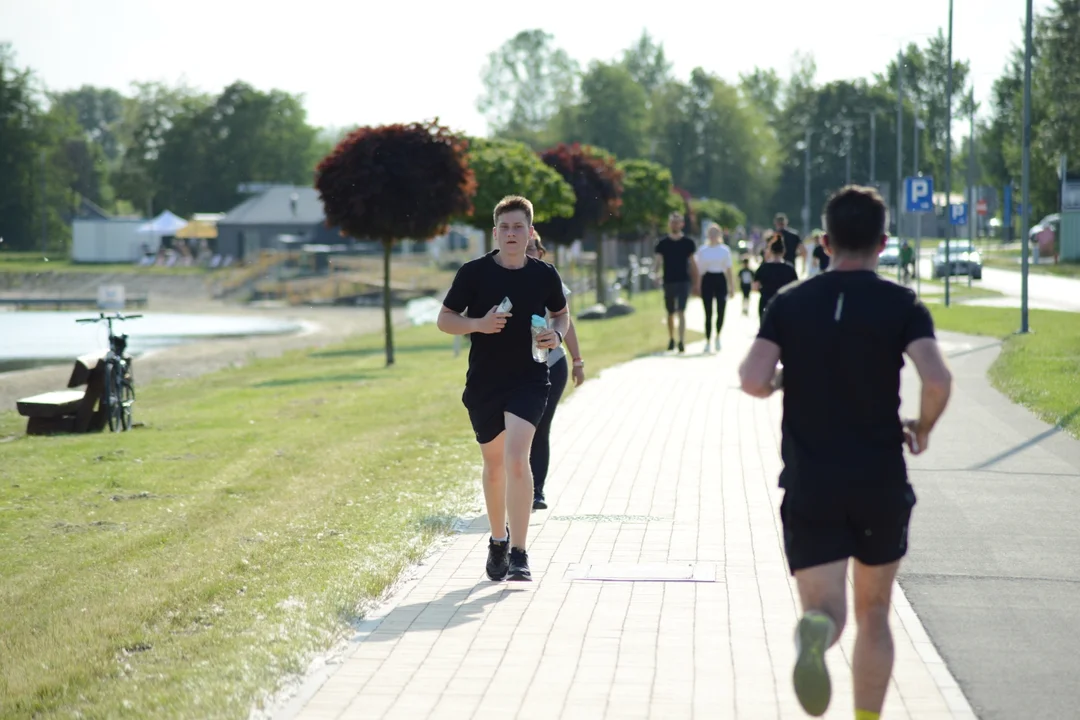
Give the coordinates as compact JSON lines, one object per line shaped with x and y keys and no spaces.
{"x":872,"y":662}
{"x":824,"y":602}
{"x":671,"y":326}
{"x":682,"y":326}
{"x":519,"y":481}
{"x":495,"y":484}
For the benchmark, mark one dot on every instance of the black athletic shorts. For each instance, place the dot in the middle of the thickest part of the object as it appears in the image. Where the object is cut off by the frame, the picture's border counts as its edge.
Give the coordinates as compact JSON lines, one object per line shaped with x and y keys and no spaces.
{"x":486,"y":408}
{"x":746,"y":291}
{"x":868,"y":524}
{"x":676,"y":295}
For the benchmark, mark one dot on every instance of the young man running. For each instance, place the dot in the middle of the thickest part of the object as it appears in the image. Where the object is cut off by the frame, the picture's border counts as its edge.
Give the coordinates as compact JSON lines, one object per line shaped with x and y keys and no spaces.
{"x":841,"y":337}
{"x":506,"y":390}
{"x":676,"y":253}
{"x":793,"y":245}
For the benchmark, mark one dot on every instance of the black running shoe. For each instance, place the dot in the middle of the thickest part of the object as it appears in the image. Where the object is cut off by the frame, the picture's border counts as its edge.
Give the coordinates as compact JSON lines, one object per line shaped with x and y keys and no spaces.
{"x":682,"y":348}
{"x":519,"y":565}
{"x":670,"y":345}
{"x":538,"y":502}
{"x":497,"y":562}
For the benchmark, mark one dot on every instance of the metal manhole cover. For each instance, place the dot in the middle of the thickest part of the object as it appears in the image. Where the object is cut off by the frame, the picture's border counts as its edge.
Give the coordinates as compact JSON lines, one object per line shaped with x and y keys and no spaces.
{"x":609,"y":518}
{"x":643,"y":572}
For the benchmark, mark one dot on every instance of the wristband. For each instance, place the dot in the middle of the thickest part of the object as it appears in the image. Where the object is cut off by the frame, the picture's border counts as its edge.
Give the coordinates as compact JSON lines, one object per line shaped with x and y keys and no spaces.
{"x":560,"y":336}
{"x":579,"y":363}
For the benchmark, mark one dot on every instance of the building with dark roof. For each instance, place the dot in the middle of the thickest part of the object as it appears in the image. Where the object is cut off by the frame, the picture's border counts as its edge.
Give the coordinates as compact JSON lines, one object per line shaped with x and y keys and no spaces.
{"x":276,"y":217}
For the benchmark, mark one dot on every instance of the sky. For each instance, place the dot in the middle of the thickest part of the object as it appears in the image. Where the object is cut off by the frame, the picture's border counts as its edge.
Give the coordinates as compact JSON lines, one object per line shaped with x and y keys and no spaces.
{"x":361,"y":62}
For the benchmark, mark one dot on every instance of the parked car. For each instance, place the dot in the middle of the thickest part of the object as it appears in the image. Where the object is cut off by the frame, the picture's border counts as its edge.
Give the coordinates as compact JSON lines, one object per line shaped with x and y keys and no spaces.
{"x":890,"y":256}
{"x":964,"y":259}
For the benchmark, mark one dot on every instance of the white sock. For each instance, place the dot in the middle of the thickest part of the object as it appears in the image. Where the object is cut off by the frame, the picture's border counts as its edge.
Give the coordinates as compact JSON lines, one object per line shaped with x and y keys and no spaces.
{"x":503,"y":539}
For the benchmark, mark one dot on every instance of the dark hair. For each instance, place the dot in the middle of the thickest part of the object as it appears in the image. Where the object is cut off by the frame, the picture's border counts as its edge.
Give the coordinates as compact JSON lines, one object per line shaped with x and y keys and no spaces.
{"x":776,"y":246}
{"x":539,"y":245}
{"x":855,"y":218}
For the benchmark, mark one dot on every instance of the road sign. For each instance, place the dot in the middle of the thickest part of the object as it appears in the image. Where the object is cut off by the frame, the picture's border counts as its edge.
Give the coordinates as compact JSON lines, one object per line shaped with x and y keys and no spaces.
{"x":981,"y":207}
{"x":958,"y":214}
{"x":919,"y":194}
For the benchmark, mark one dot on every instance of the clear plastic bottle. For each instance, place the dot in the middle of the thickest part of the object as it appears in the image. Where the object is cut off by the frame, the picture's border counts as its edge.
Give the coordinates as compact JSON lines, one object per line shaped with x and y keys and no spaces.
{"x":539,"y":325}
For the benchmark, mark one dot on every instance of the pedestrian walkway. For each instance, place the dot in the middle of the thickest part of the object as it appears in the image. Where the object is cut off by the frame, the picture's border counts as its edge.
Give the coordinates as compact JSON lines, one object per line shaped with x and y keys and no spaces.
{"x":663,"y":479}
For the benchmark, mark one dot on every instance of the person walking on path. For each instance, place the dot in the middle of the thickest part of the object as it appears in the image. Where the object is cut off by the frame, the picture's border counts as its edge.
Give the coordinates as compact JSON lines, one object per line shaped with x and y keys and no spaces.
{"x":841,"y":338}
{"x":676,"y":253}
{"x":772,"y":274}
{"x":717,"y":282}
{"x":820,"y":258}
{"x":506,"y":390}
{"x":746,"y":284}
{"x":540,"y":455}
{"x":793,"y":245}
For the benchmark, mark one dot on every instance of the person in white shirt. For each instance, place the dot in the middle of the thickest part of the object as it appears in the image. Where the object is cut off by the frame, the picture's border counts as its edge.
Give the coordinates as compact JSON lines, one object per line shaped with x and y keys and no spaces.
{"x":717,"y":283}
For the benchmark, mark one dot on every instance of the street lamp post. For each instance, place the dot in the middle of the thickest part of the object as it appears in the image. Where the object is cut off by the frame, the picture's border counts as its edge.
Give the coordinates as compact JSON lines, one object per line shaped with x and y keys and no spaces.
{"x":847,"y":151}
{"x":806,"y":187}
{"x":948,"y":159}
{"x":899,"y":138}
{"x":1025,"y":173}
{"x":917,"y":125}
{"x":972,"y":214}
{"x":873,"y":148}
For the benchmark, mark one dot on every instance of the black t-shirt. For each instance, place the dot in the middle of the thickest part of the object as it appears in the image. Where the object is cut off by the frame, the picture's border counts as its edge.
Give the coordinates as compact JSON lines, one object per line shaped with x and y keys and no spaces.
{"x":772,"y":276}
{"x":746,"y":276}
{"x":676,"y":253}
{"x":822,"y":257}
{"x":791,"y":245}
{"x":504,"y":359}
{"x":842,"y":337}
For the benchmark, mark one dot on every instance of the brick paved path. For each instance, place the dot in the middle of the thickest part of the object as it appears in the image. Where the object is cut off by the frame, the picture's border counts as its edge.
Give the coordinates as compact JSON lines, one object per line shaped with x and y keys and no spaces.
{"x":661,"y":461}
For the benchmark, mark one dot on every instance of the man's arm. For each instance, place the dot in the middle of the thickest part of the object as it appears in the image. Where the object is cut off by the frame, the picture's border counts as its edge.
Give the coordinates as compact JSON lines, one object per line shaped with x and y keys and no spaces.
{"x":695,"y":276}
{"x":758,"y":371}
{"x":560,"y":321}
{"x":453,"y":323}
{"x":936,"y":387}
{"x":657,"y":266}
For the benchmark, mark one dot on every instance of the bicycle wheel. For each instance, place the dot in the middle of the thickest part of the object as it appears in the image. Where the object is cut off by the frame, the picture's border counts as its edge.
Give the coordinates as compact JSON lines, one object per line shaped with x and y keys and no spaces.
{"x":127,"y":401}
{"x":113,"y":408}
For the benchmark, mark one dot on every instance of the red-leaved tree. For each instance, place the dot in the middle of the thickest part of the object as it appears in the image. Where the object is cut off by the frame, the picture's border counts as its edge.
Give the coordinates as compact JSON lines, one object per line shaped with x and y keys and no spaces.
{"x":597,"y":184}
{"x":394,"y":182}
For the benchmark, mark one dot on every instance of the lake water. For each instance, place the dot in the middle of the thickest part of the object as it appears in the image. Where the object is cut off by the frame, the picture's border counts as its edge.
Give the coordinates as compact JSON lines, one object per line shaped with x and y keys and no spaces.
{"x":29,"y":339}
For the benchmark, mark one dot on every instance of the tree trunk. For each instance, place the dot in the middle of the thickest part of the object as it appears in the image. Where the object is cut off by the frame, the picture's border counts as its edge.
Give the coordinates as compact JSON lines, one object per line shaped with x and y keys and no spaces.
{"x":388,"y":323}
{"x":601,"y":286}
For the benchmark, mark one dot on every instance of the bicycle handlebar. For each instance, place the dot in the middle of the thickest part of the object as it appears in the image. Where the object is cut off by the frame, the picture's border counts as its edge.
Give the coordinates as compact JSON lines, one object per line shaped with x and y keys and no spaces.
{"x":104,"y":317}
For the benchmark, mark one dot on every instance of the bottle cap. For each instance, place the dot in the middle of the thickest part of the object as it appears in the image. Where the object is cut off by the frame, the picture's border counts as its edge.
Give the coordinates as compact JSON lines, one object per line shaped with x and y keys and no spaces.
{"x":538,"y":321}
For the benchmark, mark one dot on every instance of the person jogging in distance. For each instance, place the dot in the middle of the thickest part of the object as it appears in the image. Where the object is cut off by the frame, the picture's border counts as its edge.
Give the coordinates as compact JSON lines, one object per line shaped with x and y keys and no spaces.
{"x":746,"y":284}
{"x":772,"y":274}
{"x":841,"y":338}
{"x":540,"y":455}
{"x":506,"y":390}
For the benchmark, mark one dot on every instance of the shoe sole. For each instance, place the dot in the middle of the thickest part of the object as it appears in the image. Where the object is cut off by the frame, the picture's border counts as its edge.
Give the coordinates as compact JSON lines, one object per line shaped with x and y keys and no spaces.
{"x":811,"y":677}
{"x":496,"y":579}
{"x":518,"y":577}
{"x":539,"y":505}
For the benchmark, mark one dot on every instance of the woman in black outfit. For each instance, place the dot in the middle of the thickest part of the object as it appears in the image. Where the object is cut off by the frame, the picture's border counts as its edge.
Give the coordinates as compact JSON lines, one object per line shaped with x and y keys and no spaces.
{"x":773,"y":274}
{"x":540,"y":456}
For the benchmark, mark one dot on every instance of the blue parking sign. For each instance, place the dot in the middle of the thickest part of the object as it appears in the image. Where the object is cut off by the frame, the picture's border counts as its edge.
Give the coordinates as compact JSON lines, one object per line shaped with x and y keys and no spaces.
{"x":958,"y":214}
{"x":919,"y":194}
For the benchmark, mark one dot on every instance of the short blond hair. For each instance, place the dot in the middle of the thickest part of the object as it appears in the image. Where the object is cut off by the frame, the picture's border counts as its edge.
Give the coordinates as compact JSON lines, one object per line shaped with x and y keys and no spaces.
{"x":510,"y":203}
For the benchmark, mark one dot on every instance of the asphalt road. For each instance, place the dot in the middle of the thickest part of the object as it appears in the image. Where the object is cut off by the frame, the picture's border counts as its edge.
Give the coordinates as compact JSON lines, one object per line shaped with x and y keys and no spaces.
{"x":993,"y":569}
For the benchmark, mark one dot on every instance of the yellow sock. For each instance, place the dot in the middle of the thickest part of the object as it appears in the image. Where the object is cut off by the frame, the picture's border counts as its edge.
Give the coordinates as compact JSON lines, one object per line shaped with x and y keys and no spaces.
{"x":867,"y":715}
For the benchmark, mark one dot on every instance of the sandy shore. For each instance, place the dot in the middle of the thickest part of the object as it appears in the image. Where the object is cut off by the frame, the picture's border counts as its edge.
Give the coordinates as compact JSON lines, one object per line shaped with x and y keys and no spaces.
{"x":323,"y":326}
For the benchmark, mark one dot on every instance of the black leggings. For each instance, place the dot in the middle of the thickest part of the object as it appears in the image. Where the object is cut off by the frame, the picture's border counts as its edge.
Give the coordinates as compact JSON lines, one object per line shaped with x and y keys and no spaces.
{"x":540,"y":456}
{"x":714,"y":287}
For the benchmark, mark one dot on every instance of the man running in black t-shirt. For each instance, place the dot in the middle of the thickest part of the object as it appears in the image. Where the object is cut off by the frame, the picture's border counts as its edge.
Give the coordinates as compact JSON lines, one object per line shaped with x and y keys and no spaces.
{"x":841,"y":337}
{"x":676,"y":253}
{"x":793,"y":246}
{"x":506,"y":390}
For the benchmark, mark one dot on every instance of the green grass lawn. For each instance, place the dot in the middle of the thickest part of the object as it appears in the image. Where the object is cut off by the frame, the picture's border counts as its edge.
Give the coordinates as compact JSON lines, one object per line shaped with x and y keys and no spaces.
{"x":1039,"y":370}
{"x":182,"y":568}
{"x":30,"y":262}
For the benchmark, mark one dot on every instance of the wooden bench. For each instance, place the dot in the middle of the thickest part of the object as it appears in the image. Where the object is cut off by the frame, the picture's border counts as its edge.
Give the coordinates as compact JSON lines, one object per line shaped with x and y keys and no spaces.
{"x":71,"y":410}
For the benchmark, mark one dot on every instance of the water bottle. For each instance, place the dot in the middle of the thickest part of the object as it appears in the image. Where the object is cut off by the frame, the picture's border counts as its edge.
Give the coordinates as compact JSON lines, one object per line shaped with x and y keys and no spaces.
{"x":539,"y":325}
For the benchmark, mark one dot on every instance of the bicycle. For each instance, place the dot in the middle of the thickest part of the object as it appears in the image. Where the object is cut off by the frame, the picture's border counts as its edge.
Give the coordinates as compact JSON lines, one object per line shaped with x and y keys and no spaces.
{"x":119,"y":392}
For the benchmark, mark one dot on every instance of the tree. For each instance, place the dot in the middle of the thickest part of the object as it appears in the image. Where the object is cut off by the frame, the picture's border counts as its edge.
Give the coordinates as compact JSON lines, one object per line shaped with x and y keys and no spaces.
{"x":647,"y":64}
{"x":765,"y":89}
{"x":1056,"y":102}
{"x":647,"y":197}
{"x":612,"y":113}
{"x":525,"y":82}
{"x":723,"y":214}
{"x":99,"y":112}
{"x":393,"y":182}
{"x":503,"y":167}
{"x":597,"y":184}
{"x":245,"y":135}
